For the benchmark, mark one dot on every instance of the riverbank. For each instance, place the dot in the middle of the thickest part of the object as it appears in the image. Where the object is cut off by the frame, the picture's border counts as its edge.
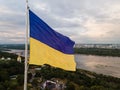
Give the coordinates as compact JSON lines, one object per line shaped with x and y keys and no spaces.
{"x":12,"y":78}
{"x":87,"y":51}
{"x":78,"y":80}
{"x":98,"y":51}
{"x":106,"y":65}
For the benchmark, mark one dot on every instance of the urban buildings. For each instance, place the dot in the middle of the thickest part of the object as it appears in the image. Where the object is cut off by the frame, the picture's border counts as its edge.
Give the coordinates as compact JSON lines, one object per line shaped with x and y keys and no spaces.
{"x":108,"y":46}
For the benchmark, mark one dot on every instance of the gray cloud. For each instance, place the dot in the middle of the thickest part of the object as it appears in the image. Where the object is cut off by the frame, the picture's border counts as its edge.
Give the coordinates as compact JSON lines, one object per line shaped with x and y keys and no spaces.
{"x":85,"y":21}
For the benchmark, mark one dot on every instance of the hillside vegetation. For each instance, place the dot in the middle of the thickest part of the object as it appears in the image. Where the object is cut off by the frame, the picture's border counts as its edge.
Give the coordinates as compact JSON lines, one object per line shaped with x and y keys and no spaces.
{"x":80,"y":79}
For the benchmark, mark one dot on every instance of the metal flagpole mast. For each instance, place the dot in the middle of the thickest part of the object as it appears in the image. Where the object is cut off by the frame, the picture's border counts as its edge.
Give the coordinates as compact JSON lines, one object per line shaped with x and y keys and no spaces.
{"x":26,"y":46}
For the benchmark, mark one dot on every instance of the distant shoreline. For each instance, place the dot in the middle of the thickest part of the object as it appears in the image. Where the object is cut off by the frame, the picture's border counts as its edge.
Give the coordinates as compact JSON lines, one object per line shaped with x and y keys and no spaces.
{"x":86,"y":51}
{"x":98,"y":51}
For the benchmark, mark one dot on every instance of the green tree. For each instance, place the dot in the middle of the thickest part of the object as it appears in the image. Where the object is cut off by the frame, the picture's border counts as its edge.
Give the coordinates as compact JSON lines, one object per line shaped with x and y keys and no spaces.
{"x":35,"y":82}
{"x":97,"y":88}
{"x":70,"y":86}
{"x":2,"y":87}
{"x":4,"y":75}
{"x":20,"y":79}
{"x":13,"y":85}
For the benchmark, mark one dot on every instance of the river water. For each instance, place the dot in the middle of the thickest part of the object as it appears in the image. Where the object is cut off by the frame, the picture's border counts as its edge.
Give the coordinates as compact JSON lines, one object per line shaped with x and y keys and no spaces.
{"x":99,"y":64}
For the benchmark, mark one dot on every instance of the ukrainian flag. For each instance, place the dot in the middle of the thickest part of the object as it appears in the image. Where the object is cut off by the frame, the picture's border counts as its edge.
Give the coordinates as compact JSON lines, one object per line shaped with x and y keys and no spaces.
{"x":48,"y":46}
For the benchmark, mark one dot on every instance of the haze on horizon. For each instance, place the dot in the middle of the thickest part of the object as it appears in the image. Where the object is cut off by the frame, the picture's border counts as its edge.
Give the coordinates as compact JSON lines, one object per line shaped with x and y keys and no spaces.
{"x":84,"y":21}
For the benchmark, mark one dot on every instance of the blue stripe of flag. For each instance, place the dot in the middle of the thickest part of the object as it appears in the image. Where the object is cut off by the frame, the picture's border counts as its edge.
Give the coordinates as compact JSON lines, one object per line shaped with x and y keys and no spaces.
{"x":39,"y":30}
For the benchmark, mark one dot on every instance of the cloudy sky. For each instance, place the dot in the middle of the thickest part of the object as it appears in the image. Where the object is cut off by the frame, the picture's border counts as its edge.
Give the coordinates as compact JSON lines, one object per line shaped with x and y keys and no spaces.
{"x":84,"y":21}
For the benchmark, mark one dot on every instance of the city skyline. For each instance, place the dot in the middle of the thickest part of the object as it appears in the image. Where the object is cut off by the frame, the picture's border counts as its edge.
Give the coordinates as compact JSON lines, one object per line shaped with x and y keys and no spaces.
{"x":84,"y":21}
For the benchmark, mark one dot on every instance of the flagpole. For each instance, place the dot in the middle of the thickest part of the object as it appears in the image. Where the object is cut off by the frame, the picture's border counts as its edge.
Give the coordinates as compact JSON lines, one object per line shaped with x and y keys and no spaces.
{"x":26,"y":46}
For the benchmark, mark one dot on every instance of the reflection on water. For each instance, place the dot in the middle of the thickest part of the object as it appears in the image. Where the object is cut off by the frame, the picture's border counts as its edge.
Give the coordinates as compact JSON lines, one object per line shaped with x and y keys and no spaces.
{"x":99,"y":64}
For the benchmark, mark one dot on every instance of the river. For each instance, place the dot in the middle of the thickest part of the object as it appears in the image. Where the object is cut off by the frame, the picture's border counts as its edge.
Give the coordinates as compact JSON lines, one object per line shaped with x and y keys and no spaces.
{"x":99,"y":64}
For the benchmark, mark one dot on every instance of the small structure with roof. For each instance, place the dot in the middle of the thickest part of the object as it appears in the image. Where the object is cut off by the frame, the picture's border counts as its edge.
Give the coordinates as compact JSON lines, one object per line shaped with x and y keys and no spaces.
{"x":19,"y":58}
{"x":3,"y":58}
